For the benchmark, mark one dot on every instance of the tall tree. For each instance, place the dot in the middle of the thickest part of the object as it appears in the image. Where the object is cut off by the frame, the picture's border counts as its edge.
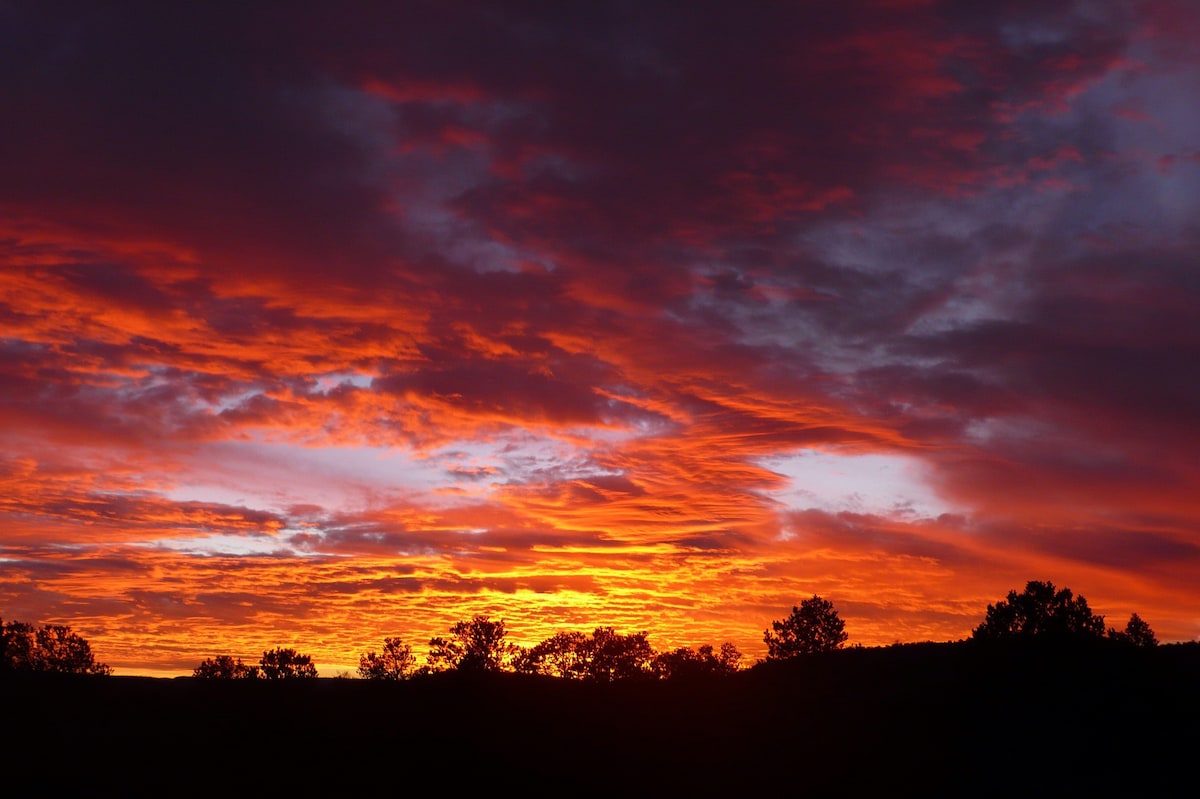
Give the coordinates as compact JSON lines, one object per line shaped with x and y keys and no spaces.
{"x":812,"y":626}
{"x":475,"y":645}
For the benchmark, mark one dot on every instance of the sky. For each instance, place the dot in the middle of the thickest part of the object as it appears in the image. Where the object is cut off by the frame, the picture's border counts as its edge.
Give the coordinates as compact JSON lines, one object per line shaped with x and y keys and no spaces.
{"x":323,"y":323}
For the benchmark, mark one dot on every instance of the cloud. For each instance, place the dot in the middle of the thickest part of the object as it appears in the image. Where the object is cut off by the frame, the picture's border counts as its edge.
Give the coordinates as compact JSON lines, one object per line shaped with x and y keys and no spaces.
{"x":397,"y":313}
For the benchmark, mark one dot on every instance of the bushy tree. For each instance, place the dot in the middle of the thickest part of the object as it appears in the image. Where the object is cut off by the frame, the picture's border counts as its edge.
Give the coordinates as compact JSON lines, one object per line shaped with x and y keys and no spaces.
{"x":615,"y":656}
{"x":603,"y":656}
{"x":728,"y":658}
{"x":395,"y":662}
{"x":51,"y":648}
{"x":225,"y":667}
{"x":286,"y":664}
{"x":1040,"y":611}
{"x":475,"y":645}
{"x":1137,"y":632}
{"x":562,"y":655}
{"x":812,"y":626}
{"x":687,"y":662}
{"x":20,"y":647}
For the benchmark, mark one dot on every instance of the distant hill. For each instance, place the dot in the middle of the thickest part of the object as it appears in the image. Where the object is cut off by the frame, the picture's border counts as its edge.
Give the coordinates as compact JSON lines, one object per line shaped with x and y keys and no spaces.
{"x":916,"y":720}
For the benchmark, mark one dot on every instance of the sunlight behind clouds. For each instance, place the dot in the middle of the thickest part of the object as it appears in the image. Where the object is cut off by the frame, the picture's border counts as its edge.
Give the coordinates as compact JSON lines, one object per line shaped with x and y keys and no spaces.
{"x":880,"y":484}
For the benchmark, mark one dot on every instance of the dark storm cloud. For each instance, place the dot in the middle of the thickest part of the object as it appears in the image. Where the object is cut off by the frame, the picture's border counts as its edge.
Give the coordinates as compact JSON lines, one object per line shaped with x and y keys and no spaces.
{"x":169,"y":117}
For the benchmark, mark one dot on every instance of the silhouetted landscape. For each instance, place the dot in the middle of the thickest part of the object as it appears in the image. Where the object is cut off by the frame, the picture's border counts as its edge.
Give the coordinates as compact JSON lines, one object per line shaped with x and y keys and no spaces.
{"x":1028,"y":717}
{"x":1044,"y":698}
{"x":469,"y":398}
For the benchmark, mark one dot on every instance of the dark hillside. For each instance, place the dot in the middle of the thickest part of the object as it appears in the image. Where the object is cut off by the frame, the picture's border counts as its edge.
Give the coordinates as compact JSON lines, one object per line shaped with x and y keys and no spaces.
{"x":950,"y":719}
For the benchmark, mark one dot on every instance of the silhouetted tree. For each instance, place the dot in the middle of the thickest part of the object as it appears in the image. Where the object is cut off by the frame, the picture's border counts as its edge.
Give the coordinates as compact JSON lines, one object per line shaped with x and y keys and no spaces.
{"x":729,"y":658}
{"x":286,"y":664}
{"x":19,"y":646}
{"x":1040,"y":611}
{"x":1136,"y":632}
{"x":224,"y":667}
{"x":812,"y":626}
{"x":603,"y":656}
{"x":395,"y":662}
{"x":688,"y":662}
{"x":562,"y":655}
{"x":50,"y":648}
{"x":611,"y":656}
{"x":475,"y":645}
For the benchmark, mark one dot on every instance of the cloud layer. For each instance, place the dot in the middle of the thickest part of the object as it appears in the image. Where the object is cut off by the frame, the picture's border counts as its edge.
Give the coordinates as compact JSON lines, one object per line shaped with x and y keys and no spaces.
{"x":328,"y":324}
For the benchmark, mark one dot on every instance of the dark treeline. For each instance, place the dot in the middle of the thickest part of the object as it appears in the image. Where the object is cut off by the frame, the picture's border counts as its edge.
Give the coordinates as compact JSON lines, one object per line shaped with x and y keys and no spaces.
{"x":1041,"y":700}
{"x":992,"y":718}
{"x":481,"y":645}
{"x":51,"y":648}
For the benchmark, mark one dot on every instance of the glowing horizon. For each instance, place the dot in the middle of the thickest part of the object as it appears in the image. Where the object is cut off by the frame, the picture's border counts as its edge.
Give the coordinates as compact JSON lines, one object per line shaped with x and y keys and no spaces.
{"x":660,"y":319}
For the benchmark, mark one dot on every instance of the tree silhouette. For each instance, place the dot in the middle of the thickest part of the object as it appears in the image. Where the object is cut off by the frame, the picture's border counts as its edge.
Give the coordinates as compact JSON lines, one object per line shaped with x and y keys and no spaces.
{"x":603,"y":656}
{"x":813,"y":626}
{"x":562,"y":655}
{"x":1137,"y":632}
{"x":20,"y":647}
{"x":395,"y":662}
{"x":1040,"y":611}
{"x":52,"y":648}
{"x":729,"y":658}
{"x":286,"y":664}
{"x":224,"y":667}
{"x":687,"y":662}
{"x":475,"y":645}
{"x":612,"y":656}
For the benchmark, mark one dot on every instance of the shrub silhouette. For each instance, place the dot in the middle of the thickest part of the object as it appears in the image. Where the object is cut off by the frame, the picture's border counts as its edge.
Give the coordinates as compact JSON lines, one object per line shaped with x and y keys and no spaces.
{"x":277,"y":664}
{"x":286,"y":664}
{"x":395,"y":662}
{"x":1040,"y":611}
{"x":51,"y":648}
{"x":1137,"y":632}
{"x":603,"y":656}
{"x":564,"y":654}
{"x":687,"y":662}
{"x":224,"y":667}
{"x":813,"y":626}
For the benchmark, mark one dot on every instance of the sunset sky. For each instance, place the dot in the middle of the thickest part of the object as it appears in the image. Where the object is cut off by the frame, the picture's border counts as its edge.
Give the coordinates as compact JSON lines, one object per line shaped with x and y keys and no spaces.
{"x":321,"y":323}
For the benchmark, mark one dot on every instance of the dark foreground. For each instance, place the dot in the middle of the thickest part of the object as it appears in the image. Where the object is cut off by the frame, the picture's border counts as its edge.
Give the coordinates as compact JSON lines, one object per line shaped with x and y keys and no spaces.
{"x":922,"y":720}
